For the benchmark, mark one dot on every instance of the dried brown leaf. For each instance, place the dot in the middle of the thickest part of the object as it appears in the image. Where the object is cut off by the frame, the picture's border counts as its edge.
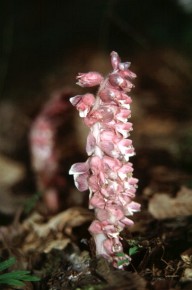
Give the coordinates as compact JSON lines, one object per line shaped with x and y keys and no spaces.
{"x":186,"y":256}
{"x":163,"y":206}
{"x":55,"y":233}
{"x":69,"y":218}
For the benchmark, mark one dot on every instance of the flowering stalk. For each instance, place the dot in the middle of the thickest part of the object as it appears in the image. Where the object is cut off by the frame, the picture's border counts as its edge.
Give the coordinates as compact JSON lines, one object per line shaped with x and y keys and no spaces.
{"x":46,"y":155}
{"x":107,"y":173}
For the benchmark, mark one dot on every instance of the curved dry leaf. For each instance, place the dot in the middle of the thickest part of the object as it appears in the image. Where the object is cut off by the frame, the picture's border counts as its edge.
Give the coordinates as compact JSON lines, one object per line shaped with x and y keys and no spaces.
{"x":162,"y":206}
{"x":186,"y":256}
{"x":69,"y":218}
{"x":43,"y":236}
{"x":58,"y":244}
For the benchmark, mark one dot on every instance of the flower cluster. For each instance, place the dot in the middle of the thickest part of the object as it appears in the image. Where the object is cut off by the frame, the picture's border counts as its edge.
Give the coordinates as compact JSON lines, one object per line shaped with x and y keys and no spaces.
{"x":107,"y":173}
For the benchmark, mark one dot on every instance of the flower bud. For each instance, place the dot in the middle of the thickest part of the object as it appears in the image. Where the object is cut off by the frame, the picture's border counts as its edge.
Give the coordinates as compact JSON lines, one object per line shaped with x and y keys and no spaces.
{"x":115,"y":60}
{"x":90,"y":79}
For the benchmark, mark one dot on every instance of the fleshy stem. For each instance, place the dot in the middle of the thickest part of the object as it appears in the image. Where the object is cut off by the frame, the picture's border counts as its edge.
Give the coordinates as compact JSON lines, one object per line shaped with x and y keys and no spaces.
{"x":107,"y":173}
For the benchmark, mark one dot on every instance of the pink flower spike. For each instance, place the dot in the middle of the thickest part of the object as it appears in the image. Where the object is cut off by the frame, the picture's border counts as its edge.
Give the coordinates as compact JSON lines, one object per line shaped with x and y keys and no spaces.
{"x":90,"y":79}
{"x":107,"y":173}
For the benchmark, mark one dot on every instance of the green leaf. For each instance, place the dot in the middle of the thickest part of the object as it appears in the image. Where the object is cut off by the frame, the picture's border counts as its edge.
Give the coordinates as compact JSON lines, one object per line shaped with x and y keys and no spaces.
{"x":123,"y":262}
{"x":13,"y":282}
{"x":120,"y":254}
{"x":7,"y":263}
{"x":133,"y":250}
{"x":15,"y":278}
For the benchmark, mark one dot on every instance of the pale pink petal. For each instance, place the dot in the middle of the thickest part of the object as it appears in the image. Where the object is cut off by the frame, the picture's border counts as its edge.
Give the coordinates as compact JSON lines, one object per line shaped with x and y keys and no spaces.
{"x":81,"y":181}
{"x":95,"y":227}
{"x":109,"y":94}
{"x":127,"y":221}
{"x":127,"y":74}
{"x":88,"y":99}
{"x":133,"y":207}
{"x":116,"y":212}
{"x":94,"y":183}
{"x":107,"y":147}
{"x":116,"y":80}
{"x":83,"y":103}
{"x":103,"y":114}
{"x":108,"y":135}
{"x":79,"y":168}
{"x":124,"y":97}
{"x":102,"y":214}
{"x":123,"y":115}
{"x":115,"y":60}
{"x":97,"y":201}
{"x":133,"y":181}
{"x":91,"y":142}
{"x":75,"y":100}
{"x":96,"y":165}
{"x":89,"y":79}
{"x":124,"y":128}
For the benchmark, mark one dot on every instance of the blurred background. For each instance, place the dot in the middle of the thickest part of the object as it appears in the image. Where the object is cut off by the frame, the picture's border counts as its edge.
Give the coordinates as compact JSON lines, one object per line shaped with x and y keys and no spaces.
{"x":39,"y":38}
{"x":44,"y":44}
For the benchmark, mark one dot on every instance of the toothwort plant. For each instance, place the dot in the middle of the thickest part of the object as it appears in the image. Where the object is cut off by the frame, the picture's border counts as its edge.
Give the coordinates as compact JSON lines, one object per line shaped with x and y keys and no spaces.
{"x":107,"y":173}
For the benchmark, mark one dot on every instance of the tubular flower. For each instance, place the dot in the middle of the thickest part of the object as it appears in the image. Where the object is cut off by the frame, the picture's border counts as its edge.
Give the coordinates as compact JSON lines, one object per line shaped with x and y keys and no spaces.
{"x":107,"y":173}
